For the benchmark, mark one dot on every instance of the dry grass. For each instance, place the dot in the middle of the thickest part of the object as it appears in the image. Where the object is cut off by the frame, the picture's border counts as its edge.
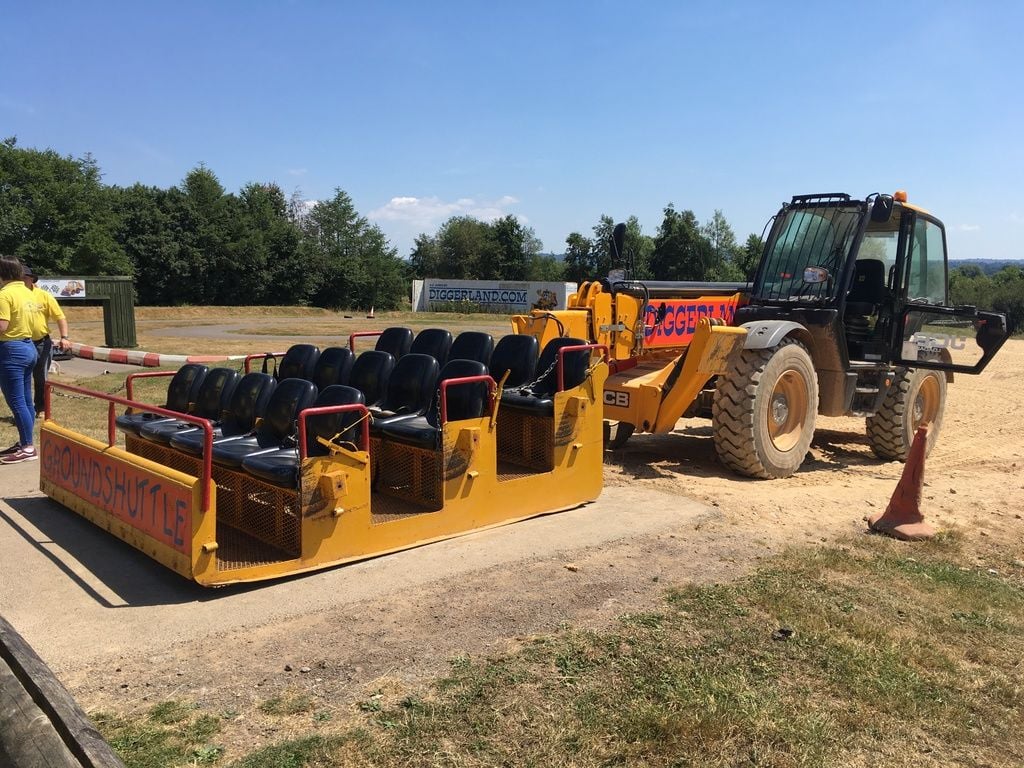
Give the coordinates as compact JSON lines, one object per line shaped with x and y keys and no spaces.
{"x":241,"y":330}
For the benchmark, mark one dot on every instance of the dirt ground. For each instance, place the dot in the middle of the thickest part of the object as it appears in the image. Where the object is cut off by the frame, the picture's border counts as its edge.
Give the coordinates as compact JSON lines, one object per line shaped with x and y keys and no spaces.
{"x":401,"y":633}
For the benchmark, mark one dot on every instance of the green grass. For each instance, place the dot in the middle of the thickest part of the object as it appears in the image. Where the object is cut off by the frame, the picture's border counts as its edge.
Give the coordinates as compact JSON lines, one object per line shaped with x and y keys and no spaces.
{"x":897,"y":657}
{"x":172,"y":733}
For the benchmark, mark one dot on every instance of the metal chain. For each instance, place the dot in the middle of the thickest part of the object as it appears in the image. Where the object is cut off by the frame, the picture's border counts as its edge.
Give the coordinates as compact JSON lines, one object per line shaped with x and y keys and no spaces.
{"x":538,"y":380}
{"x":73,"y":396}
{"x":439,"y":440}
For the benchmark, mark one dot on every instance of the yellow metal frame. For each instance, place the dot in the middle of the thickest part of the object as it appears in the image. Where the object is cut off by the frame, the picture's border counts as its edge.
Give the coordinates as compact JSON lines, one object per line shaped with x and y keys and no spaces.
{"x":641,"y":396}
{"x":336,"y":503}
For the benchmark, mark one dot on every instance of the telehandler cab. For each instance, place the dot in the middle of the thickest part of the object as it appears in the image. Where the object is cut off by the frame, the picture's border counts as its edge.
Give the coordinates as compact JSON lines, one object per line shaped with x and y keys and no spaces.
{"x":848,"y":314}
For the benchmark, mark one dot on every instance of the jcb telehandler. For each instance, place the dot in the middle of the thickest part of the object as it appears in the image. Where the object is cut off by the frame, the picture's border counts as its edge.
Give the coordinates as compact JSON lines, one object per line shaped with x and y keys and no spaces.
{"x":848,"y":314}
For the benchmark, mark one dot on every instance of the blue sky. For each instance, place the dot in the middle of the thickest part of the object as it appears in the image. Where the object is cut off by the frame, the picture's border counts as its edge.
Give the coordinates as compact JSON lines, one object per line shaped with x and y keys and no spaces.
{"x":556,"y":112}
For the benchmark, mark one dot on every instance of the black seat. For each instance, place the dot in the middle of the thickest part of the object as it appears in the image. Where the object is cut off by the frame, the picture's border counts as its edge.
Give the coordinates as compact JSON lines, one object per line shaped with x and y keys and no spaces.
{"x":410,"y":390}
{"x":298,"y":362}
{"x":333,"y":367}
{"x":538,"y":397}
{"x":435,"y":342}
{"x":473,"y":345}
{"x":397,"y":341}
{"x":181,"y":395}
{"x":517,"y":355}
{"x":281,"y":467}
{"x":868,"y":288}
{"x":248,"y":402}
{"x":463,"y":401}
{"x":371,"y":374}
{"x":278,"y":425}
{"x":211,"y":402}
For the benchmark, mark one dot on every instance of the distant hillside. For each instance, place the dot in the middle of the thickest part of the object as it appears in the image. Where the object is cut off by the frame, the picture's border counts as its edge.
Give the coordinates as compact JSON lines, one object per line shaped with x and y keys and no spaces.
{"x":988,"y":266}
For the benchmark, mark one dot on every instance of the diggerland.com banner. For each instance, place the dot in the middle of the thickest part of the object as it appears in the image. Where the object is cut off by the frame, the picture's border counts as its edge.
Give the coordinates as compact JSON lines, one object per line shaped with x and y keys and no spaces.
{"x":496,"y":296}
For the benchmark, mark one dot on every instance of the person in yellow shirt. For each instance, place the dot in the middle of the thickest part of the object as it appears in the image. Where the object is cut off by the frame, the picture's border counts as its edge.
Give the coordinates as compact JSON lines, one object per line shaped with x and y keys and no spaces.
{"x":17,"y":358}
{"x":47,"y":310}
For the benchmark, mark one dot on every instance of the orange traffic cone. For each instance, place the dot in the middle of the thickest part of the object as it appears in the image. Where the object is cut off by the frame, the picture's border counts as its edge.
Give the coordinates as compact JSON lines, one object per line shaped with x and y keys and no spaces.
{"x":370,"y":316}
{"x":903,"y":518}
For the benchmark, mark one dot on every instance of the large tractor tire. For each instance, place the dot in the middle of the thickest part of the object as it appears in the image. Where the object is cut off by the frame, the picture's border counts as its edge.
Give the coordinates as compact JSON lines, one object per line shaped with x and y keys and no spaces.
{"x":916,"y":396}
{"x":764,"y":411}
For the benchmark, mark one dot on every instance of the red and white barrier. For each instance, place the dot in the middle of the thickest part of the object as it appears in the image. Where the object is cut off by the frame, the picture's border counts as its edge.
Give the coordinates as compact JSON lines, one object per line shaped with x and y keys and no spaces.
{"x":146,"y":359}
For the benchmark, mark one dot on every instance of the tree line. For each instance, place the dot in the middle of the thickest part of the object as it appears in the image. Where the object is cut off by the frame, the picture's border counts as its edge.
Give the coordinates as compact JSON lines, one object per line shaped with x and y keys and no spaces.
{"x":196,"y":243}
{"x":1002,"y":291}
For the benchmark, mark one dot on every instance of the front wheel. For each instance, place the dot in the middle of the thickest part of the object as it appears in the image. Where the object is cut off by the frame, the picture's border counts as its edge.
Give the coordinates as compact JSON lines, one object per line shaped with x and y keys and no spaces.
{"x":916,"y":396}
{"x":764,"y":411}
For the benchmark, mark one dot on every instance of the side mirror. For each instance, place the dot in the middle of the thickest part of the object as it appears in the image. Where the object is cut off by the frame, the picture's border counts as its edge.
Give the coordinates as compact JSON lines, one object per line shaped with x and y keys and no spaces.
{"x":881,"y":209}
{"x":618,"y":241}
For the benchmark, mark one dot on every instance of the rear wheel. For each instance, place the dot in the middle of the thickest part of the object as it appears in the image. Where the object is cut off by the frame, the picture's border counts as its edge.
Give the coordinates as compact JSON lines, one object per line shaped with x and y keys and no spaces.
{"x":616,"y":434}
{"x":764,"y":411}
{"x":915,"y":397}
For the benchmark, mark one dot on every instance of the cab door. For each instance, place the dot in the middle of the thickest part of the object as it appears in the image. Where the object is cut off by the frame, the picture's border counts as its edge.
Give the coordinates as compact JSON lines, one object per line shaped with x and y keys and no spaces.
{"x":929,"y":333}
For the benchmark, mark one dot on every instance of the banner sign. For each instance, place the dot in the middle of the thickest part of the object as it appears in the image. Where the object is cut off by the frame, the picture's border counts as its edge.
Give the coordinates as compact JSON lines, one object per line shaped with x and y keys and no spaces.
{"x":63,"y":289}
{"x":681,"y":316}
{"x":157,"y":506}
{"x":494,"y":296}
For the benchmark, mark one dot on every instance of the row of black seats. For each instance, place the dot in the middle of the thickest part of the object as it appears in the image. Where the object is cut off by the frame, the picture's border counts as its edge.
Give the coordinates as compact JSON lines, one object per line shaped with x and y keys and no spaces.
{"x":407,"y":411}
{"x":254,"y":415}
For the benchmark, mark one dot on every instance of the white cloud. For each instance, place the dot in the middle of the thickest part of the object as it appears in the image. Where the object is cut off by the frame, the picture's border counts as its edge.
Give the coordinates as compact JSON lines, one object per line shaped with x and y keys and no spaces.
{"x":298,"y":171}
{"x":968,"y":227}
{"x":431,"y":211}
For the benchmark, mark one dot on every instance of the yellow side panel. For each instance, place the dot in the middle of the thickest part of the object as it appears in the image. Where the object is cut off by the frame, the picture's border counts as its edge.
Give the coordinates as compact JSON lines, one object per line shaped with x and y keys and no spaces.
{"x":152,"y":507}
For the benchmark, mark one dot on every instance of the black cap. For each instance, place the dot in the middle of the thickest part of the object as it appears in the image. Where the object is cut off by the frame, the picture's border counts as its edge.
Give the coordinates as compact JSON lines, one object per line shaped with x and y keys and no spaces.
{"x":26,"y":271}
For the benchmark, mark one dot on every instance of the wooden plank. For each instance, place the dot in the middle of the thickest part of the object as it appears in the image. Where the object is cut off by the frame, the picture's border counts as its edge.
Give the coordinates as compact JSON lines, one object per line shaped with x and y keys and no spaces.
{"x":27,"y":737}
{"x":66,"y":717}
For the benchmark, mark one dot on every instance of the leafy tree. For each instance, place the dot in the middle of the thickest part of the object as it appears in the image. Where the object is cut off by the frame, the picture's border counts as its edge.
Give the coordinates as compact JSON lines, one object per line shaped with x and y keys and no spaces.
{"x":468,"y":251}
{"x":749,"y":256}
{"x":351,"y":258}
{"x":149,"y":230}
{"x":425,"y":259}
{"x":264,"y":248}
{"x":545,"y":268}
{"x":681,"y":252}
{"x":515,"y":247}
{"x":721,"y":238}
{"x":580,"y":262}
{"x":56,"y":215}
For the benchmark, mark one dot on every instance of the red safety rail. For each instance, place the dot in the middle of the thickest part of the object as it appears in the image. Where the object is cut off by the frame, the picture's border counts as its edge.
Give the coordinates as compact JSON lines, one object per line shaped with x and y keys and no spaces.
{"x":575,"y":348}
{"x":131,"y":380}
{"x":113,"y":400}
{"x":260,"y":356}
{"x":325,"y":409}
{"x":352,"y":337}
{"x":491,"y":391}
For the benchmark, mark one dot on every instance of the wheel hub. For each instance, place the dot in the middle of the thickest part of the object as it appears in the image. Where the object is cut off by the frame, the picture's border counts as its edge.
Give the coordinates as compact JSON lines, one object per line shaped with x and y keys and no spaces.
{"x":787,"y":410}
{"x":780,"y":409}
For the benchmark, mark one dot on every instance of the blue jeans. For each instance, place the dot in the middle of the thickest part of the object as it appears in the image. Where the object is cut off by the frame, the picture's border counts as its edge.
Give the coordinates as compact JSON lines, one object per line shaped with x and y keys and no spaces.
{"x":17,"y":359}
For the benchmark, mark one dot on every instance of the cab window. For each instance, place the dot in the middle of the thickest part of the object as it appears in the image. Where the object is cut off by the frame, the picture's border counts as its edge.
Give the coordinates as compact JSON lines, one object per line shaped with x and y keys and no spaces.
{"x":926,"y":276}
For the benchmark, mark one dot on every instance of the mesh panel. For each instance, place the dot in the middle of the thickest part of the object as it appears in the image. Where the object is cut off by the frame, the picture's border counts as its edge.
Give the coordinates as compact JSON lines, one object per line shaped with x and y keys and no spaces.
{"x":162,"y":454}
{"x":408,"y":473}
{"x":525,"y":440}
{"x":260,"y":522}
{"x":257,"y":522}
